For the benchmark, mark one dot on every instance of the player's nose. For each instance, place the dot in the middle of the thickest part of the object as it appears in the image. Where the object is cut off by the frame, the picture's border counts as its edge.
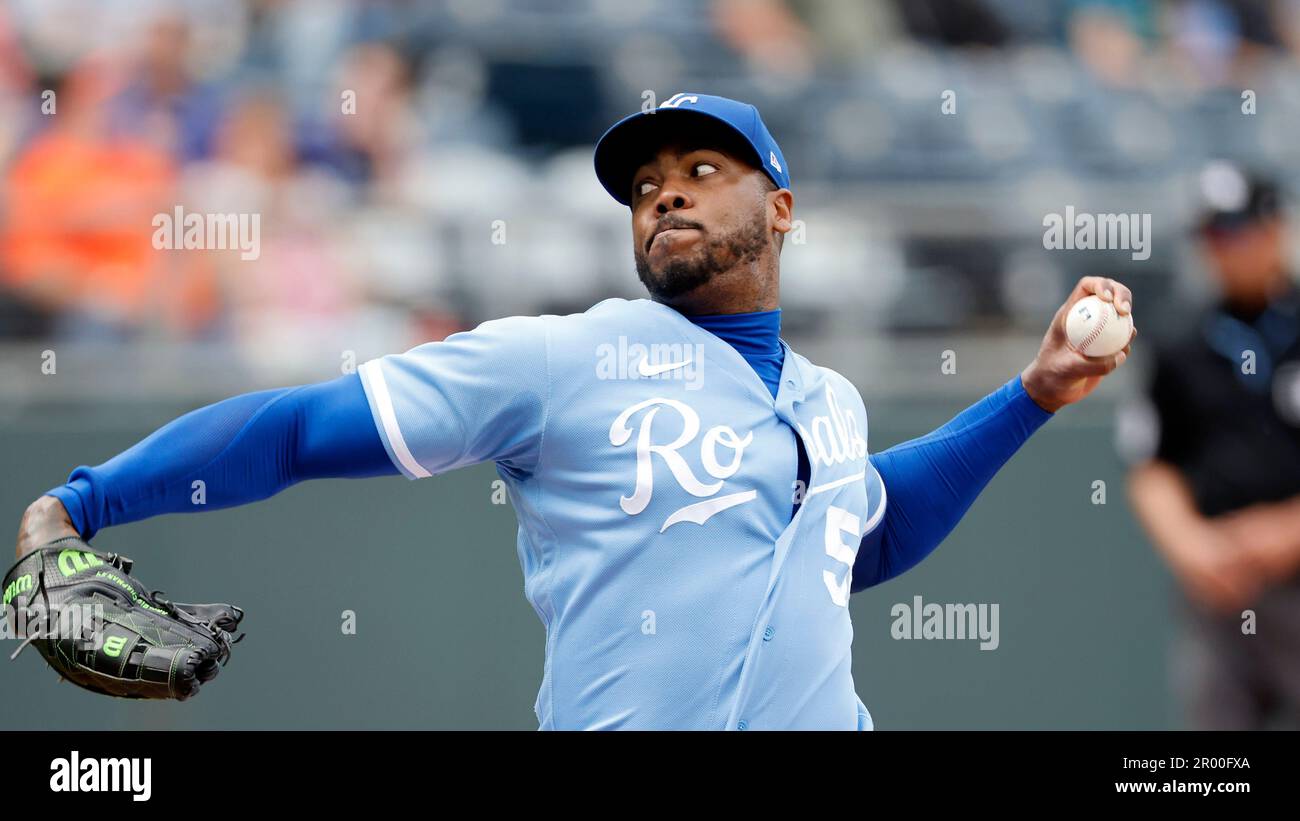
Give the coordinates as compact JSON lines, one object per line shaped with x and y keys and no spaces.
{"x":672,"y":197}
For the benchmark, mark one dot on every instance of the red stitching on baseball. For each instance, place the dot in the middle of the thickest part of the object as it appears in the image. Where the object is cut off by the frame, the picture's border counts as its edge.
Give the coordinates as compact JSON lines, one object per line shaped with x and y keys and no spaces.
{"x":1096,"y":332}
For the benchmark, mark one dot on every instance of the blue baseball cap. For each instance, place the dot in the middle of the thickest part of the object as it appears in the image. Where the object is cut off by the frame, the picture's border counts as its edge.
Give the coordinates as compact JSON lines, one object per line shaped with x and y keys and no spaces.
{"x":628,"y":142}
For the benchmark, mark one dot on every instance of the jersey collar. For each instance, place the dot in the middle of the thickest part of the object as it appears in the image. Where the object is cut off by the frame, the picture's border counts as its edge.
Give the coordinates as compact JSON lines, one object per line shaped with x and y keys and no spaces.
{"x":793,"y":378}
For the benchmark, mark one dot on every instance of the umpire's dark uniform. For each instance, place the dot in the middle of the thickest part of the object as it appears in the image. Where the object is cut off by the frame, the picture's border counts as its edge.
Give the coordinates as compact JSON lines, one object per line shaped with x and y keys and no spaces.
{"x":1235,"y":437}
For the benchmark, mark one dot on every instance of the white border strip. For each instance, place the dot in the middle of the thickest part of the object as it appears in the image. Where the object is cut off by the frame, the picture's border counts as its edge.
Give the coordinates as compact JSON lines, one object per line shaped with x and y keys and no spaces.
{"x":384,"y":402}
{"x":857,"y":477}
{"x":880,"y":509}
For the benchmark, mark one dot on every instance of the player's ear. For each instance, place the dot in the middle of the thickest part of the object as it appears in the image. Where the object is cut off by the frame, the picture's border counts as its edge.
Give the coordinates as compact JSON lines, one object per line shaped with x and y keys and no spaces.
{"x":780,"y":209}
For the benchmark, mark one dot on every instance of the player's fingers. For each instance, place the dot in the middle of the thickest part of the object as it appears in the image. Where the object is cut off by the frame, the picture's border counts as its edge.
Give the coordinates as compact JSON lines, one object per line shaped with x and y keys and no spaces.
{"x":1092,"y":285}
{"x":1123,"y":297}
{"x":1128,"y":346}
{"x":1128,"y":349}
{"x":1108,"y":289}
{"x":1097,"y":365}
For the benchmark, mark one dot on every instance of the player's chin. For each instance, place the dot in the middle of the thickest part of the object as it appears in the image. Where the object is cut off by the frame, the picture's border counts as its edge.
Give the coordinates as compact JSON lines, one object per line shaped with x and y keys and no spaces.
{"x":663,"y":259}
{"x":674,"y":282}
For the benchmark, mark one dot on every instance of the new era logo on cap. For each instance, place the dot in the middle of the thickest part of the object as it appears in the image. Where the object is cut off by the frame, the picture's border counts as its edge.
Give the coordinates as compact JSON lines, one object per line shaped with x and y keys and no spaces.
{"x":616,"y":151}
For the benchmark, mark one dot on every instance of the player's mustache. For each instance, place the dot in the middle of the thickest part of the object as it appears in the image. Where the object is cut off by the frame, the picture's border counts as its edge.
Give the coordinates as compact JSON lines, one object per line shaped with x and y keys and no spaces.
{"x":664,"y":225}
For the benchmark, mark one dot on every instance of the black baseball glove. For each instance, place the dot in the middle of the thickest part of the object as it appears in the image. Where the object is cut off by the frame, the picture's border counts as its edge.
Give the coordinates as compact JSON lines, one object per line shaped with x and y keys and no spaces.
{"x":103,"y":630}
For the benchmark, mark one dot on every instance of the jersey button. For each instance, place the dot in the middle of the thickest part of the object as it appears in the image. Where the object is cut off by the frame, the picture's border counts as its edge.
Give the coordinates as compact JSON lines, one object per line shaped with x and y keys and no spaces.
{"x":768,"y":633}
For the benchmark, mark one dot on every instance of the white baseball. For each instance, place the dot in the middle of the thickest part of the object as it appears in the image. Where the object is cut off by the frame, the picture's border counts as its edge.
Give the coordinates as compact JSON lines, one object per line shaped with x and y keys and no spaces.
{"x":1095,"y":328}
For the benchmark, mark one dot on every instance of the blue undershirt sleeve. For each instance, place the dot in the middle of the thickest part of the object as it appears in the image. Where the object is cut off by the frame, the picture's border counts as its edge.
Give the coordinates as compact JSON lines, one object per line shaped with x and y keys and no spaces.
{"x":236,"y":451}
{"x":933,"y":480}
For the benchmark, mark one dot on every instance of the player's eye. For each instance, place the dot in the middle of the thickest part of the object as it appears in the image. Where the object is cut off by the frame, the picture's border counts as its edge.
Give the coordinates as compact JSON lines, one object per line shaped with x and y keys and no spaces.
{"x":700,"y":169}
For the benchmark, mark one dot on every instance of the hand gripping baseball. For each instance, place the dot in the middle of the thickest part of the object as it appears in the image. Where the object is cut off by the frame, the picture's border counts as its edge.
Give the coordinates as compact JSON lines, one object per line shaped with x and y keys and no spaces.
{"x":1061,"y":373}
{"x":103,"y":630}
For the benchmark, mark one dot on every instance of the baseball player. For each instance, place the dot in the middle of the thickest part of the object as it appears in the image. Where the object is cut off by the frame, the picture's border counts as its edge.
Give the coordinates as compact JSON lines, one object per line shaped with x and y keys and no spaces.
{"x":696,"y":501}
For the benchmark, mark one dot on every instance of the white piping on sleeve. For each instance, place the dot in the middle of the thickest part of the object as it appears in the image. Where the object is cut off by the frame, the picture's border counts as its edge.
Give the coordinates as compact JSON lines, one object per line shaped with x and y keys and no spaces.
{"x":388,"y":417}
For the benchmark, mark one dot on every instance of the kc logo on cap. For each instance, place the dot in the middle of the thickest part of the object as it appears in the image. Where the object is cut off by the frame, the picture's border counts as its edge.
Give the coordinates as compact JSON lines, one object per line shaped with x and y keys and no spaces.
{"x":679,"y":98}
{"x":624,"y":144}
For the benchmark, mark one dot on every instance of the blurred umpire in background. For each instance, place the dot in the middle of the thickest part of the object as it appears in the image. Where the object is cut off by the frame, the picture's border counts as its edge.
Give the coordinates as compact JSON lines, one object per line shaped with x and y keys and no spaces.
{"x":1220,"y":494}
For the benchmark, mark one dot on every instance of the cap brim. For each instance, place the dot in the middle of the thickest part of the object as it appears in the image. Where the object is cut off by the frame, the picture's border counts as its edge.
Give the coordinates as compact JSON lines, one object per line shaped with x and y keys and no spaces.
{"x":632,"y":140}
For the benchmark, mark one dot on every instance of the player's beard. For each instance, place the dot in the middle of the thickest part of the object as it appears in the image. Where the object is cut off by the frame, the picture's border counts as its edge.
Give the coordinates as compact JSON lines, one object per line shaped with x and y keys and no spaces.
{"x":682,"y":273}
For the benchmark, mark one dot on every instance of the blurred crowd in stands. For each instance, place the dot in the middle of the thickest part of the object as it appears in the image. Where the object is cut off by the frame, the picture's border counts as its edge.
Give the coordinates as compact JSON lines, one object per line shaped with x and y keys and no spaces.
{"x":420,"y":166}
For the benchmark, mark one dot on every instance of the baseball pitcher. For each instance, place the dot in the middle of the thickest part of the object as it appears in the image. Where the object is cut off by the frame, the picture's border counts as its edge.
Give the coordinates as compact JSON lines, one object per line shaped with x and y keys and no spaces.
{"x":671,"y":450}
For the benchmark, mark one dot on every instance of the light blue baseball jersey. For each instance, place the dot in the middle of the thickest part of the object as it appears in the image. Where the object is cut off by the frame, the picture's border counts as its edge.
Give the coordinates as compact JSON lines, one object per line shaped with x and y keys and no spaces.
{"x":654,"y":476}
